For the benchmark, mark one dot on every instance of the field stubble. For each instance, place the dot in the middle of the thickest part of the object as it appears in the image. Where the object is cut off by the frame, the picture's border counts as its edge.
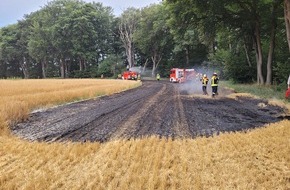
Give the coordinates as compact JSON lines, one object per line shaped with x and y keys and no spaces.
{"x":258,"y":159}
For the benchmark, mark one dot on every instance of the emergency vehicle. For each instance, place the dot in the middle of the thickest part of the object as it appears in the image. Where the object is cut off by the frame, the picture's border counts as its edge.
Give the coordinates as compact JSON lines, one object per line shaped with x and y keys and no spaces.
{"x":181,"y":75}
{"x":130,"y":75}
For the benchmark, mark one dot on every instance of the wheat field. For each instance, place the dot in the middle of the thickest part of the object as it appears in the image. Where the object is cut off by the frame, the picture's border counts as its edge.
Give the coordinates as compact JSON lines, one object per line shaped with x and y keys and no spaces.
{"x":19,"y":97}
{"x":258,"y":159}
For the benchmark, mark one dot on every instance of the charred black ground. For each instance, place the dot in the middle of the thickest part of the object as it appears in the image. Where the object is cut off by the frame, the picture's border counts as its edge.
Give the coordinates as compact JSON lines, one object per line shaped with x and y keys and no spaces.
{"x":156,"y":108}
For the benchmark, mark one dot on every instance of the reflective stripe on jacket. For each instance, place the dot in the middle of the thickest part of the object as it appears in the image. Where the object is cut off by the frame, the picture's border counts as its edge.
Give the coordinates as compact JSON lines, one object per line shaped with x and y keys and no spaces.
{"x":214,"y":81}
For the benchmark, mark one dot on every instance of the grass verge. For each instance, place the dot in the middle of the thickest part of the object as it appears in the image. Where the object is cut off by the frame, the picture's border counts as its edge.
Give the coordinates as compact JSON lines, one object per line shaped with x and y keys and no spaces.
{"x":257,"y":90}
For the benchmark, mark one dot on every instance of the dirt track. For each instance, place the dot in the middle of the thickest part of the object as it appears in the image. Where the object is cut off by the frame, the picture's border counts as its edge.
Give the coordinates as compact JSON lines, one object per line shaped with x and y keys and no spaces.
{"x":156,"y":108}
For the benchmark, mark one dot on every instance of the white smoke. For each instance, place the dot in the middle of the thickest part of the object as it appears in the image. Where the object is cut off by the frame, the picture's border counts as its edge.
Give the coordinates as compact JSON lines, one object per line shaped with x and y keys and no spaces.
{"x":136,"y":69}
{"x":194,"y":87}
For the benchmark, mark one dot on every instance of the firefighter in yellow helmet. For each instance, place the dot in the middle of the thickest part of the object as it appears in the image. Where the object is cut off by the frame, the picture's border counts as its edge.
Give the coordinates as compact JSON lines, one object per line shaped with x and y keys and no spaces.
{"x":204,"y":81}
{"x":214,"y":84}
{"x":158,"y":76}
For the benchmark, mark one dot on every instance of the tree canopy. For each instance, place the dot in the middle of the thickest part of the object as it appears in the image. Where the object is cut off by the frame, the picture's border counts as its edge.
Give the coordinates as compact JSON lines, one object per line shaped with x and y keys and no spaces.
{"x":245,"y":41}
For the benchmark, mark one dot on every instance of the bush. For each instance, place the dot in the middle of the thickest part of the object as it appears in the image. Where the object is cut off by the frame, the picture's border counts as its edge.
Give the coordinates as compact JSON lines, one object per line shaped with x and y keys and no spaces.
{"x":81,"y":74}
{"x":110,"y":67}
{"x":234,"y":66}
{"x":281,"y":73}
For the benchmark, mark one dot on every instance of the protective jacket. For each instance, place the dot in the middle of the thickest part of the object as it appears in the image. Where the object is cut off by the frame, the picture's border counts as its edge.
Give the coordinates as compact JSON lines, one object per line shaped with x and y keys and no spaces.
{"x":158,"y":77}
{"x":214,"y":81}
{"x":204,"y":81}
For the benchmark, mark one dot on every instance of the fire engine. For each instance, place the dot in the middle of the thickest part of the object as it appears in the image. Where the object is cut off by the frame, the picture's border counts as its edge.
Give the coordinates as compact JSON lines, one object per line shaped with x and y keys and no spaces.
{"x":182,"y":75}
{"x":130,"y":75}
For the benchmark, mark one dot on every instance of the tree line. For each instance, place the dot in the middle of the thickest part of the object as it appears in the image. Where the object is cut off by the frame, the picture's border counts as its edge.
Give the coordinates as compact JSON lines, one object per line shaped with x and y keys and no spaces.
{"x":244,"y":41}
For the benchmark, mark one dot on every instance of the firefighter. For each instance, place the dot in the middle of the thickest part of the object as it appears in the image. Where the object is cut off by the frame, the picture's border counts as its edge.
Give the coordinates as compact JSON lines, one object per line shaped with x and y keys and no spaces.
{"x":214,"y":84}
{"x":119,"y":76}
{"x":204,"y":80}
{"x":158,"y":76}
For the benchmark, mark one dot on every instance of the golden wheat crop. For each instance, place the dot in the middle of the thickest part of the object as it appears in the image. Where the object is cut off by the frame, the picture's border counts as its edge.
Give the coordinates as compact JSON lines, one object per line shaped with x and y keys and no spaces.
{"x":18,"y":97}
{"x":258,"y":159}
{"x":255,"y":160}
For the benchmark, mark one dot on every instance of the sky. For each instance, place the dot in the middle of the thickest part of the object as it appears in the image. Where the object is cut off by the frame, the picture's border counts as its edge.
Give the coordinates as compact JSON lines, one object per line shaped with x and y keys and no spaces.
{"x":13,"y":10}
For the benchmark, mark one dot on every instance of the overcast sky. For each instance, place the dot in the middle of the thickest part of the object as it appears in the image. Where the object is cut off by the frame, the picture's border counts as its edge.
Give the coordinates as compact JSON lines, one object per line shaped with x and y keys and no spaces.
{"x":13,"y":10}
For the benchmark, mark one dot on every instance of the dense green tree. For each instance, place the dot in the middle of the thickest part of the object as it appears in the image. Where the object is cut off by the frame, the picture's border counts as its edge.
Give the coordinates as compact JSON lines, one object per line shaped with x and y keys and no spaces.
{"x":249,"y":19}
{"x":193,"y":31}
{"x":152,"y":36}
{"x":93,"y":22}
{"x":40,"y":41}
{"x":72,"y":38}
{"x":67,"y":32}
{"x":255,"y":16}
{"x":14,"y":53}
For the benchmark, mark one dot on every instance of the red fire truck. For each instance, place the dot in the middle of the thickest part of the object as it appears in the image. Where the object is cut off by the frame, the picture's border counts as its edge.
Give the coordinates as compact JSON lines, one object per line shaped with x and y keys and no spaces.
{"x":130,"y":75}
{"x":182,"y":75}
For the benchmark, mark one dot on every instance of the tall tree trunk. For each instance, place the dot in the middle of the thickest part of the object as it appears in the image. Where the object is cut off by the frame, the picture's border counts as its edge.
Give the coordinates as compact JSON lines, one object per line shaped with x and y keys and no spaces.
{"x":24,"y":66}
{"x":67,"y":68}
{"x":62,"y":68}
{"x":145,"y":65}
{"x":287,"y":20}
{"x":126,"y":33}
{"x":85,"y":65}
{"x":81,"y":65}
{"x":133,"y":54}
{"x":127,"y":27}
{"x":129,"y":55}
{"x":259,"y":55}
{"x":154,"y":66}
{"x":187,"y":56}
{"x":272,"y":44}
{"x":43,"y":68}
{"x":247,"y":55}
{"x":156,"y":60}
{"x":5,"y":69}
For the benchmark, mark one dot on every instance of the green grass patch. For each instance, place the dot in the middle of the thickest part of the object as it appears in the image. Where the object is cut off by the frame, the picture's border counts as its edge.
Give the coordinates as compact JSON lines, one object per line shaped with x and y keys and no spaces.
{"x":267,"y":92}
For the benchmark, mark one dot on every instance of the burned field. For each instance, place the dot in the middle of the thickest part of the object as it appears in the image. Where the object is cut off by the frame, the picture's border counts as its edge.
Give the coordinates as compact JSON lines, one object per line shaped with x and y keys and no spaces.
{"x":156,"y":108}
